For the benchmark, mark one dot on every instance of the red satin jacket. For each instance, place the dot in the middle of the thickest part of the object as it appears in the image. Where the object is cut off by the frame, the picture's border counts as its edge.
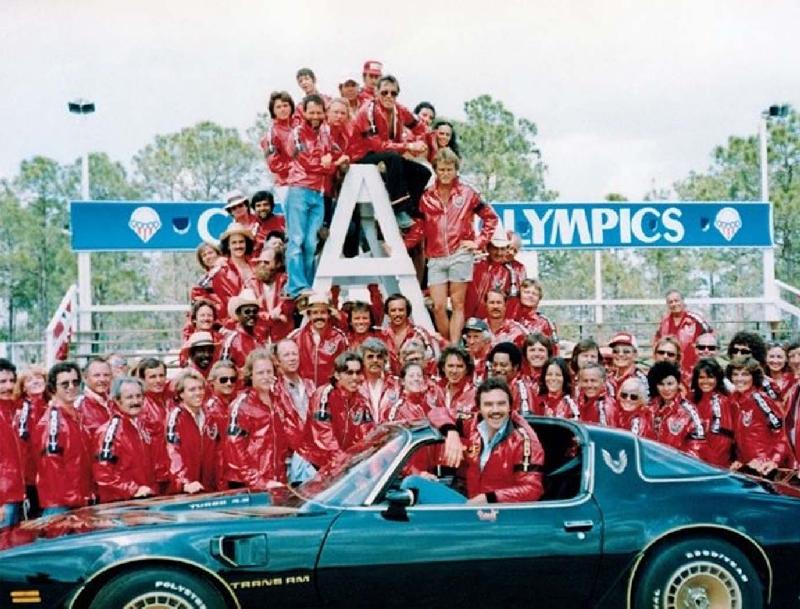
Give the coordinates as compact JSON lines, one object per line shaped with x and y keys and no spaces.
{"x":513,"y":472}
{"x":64,"y":466}
{"x":445,"y":224}
{"x":122,"y":461}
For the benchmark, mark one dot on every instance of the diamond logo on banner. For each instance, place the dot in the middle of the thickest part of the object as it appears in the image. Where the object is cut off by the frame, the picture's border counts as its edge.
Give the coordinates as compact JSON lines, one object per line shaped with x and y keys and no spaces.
{"x":145,"y":222}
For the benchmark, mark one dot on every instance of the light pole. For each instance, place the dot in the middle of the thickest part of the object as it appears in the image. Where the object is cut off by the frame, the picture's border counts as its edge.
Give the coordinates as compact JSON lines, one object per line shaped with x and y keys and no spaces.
{"x":83,"y":108}
{"x":771,"y":294}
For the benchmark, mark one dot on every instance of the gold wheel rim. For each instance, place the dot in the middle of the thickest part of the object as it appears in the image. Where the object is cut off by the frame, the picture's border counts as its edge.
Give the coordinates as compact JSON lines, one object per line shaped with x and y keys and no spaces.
{"x":158,"y":600}
{"x":703,"y":585}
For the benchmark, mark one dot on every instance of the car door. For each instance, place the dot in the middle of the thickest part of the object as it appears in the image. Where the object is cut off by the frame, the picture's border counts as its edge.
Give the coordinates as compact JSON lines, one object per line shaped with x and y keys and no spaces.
{"x":545,"y":552}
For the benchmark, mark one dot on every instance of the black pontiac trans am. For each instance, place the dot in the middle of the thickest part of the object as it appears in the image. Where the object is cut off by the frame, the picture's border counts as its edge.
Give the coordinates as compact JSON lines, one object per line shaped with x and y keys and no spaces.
{"x":623,"y":523}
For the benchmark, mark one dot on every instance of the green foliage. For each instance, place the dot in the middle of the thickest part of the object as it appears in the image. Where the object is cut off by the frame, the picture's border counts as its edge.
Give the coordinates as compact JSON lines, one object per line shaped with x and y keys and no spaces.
{"x":500,"y":154}
{"x":199,"y":163}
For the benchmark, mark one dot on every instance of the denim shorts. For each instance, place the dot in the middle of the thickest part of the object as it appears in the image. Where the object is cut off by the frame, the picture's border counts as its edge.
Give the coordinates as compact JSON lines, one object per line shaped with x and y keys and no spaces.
{"x":455,"y":268}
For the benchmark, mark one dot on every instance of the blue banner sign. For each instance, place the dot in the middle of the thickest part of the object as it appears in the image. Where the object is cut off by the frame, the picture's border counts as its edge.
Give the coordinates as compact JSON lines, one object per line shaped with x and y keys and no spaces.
{"x":141,"y":225}
{"x":556,"y":225}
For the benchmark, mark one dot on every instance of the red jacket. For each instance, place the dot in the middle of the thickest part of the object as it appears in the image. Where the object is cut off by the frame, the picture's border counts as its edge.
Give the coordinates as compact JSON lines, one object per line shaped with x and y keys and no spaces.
{"x":600,"y":409}
{"x":317,"y":359}
{"x":216,"y":410}
{"x":275,"y":145}
{"x":616,"y":379}
{"x":759,"y":431}
{"x":375,"y":131}
{"x":792,"y":408}
{"x":389,"y":392}
{"x":408,"y":406}
{"x":152,"y":420}
{"x":307,"y":147}
{"x":524,"y":394}
{"x":639,"y":422}
{"x":719,"y":420}
{"x":677,"y":423}
{"x":24,"y":420}
{"x":513,"y":471}
{"x":271,"y":299}
{"x":337,"y":420}
{"x":559,"y":406}
{"x":510,"y":331}
{"x":433,"y":346}
{"x":685,"y":330}
{"x":12,"y":483}
{"x":122,"y":461}
{"x":259,"y":440}
{"x":226,"y":283}
{"x":486,"y":275}
{"x":204,"y":290}
{"x":64,"y":466}
{"x":533,"y":321}
{"x":445,"y":224}
{"x":461,"y":403}
{"x":191,"y":454}
{"x":238,"y":343}
{"x":94,"y":411}
{"x":262,"y":228}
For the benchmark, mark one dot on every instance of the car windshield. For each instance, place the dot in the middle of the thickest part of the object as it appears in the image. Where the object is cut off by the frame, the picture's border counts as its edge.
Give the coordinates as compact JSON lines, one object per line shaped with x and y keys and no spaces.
{"x":349,"y":479}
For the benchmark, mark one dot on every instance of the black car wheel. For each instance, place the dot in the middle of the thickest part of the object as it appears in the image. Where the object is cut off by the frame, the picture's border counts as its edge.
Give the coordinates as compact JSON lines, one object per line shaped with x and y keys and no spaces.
{"x":699,"y":574}
{"x":158,"y":589}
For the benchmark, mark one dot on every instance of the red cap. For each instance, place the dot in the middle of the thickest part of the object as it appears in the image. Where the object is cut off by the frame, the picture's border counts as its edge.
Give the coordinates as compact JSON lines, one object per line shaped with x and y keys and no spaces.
{"x":623,"y":338}
{"x":372,"y":67}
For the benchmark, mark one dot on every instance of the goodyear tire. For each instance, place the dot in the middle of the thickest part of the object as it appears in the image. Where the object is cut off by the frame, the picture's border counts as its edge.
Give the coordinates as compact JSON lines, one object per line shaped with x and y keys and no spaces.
{"x":699,"y":573}
{"x":158,"y":589}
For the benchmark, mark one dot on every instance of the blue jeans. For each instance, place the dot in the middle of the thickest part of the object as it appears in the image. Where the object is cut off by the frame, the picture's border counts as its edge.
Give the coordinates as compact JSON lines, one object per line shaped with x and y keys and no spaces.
{"x":10,"y":514}
{"x":304,"y":211}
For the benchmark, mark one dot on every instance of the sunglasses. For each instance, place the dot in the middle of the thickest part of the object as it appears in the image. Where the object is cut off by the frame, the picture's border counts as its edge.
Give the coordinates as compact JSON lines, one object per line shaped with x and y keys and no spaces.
{"x":705,"y":347}
{"x":741,"y":351}
{"x":624,"y":350}
{"x":666,"y":353}
{"x":388,"y":93}
{"x":351,"y":372}
{"x":226,"y":379}
{"x":248,"y":310}
{"x":68,"y":384}
{"x":629,"y":396}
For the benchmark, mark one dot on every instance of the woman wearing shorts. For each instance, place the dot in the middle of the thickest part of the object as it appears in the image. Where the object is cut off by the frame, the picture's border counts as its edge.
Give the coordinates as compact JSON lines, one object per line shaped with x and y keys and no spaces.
{"x":448,"y":210}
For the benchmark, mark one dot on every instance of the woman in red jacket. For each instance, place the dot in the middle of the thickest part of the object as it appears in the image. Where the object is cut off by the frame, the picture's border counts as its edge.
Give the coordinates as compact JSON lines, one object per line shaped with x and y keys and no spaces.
{"x":555,"y":391}
{"x":634,"y":414}
{"x":761,"y":445}
{"x":716,"y":410}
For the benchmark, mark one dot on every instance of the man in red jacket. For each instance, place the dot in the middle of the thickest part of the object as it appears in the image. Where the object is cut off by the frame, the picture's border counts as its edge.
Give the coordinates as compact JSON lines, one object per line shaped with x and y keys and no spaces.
{"x":319,"y":340}
{"x":275,"y":143}
{"x":263,"y":204}
{"x":123,"y":465}
{"x":378,"y":138}
{"x":449,"y":209}
{"x":93,"y":406}
{"x":191,"y":462}
{"x":491,"y":273}
{"x":684,"y":325}
{"x":313,"y":162}
{"x":153,"y":416}
{"x":269,"y":290}
{"x":370,"y":74}
{"x":339,"y":415}
{"x":64,"y":467}
{"x":250,"y":331}
{"x":12,"y":485}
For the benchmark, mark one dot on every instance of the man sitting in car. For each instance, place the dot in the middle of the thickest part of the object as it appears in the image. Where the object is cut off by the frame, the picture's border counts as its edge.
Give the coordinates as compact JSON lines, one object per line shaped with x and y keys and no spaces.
{"x":503,"y":457}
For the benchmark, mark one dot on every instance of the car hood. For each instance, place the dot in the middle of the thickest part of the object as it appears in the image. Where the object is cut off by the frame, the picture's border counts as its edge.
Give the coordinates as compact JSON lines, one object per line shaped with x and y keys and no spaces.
{"x":149,"y":512}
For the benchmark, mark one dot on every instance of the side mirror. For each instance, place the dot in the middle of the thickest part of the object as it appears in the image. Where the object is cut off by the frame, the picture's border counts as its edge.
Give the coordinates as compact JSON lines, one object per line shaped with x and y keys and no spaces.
{"x":399,"y":500}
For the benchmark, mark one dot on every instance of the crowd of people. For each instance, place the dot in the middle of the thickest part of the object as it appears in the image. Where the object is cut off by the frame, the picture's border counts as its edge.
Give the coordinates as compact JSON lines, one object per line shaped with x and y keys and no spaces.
{"x":276,"y":381}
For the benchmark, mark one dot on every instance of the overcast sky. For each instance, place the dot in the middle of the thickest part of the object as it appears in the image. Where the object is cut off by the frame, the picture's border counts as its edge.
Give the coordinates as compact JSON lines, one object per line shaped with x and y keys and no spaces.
{"x":626,"y":94}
